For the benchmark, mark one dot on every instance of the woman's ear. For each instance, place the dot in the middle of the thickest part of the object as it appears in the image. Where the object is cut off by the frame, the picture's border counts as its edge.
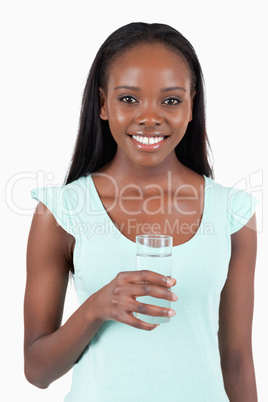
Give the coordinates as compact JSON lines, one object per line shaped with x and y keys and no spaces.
{"x":103,"y":105}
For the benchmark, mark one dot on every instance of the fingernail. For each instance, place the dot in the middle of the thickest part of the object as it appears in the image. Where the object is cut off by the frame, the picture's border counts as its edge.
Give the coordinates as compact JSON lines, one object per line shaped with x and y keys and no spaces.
{"x":170,"y":282}
{"x":174,"y":297}
{"x":171,"y":313}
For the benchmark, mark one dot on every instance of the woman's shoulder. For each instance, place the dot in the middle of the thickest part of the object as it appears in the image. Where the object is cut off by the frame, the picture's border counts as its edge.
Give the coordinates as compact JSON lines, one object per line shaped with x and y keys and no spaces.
{"x":64,"y":200}
{"x":239,"y":204}
{"x":62,"y":193}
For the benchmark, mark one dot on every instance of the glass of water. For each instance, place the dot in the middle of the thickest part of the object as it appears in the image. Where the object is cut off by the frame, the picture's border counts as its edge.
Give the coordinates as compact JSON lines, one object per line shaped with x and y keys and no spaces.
{"x":154,"y":253}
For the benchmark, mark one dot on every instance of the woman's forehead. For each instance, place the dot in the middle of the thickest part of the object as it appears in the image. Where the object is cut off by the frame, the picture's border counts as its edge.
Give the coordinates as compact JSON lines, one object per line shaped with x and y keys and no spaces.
{"x":149,"y":61}
{"x":156,"y":53}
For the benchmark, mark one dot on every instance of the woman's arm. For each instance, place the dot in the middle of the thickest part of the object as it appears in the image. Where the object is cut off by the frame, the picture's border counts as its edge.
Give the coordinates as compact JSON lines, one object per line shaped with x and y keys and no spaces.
{"x":236,"y":312}
{"x":51,"y":350}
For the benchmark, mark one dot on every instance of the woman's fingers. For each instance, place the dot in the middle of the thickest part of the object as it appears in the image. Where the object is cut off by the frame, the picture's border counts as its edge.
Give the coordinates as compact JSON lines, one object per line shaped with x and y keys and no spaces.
{"x":149,"y":289}
{"x":149,"y":309}
{"x":129,"y":319}
{"x":117,"y":300}
{"x":145,"y":276}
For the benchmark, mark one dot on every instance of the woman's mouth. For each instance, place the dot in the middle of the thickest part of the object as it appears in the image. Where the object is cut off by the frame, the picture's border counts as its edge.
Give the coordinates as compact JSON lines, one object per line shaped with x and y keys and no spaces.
{"x":148,"y":143}
{"x":147,"y":140}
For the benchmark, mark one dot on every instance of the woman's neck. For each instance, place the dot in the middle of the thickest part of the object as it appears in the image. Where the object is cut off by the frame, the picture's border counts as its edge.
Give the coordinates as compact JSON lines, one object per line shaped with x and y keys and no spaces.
{"x":125,"y":171}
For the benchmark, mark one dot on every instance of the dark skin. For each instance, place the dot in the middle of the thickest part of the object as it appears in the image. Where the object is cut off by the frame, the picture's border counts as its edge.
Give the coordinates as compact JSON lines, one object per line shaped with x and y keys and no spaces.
{"x":158,"y":104}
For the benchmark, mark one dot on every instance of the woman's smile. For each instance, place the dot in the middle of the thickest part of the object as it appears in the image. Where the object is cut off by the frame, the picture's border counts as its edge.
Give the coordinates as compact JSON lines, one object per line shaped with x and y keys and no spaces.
{"x":148,"y":143}
{"x":147,"y":140}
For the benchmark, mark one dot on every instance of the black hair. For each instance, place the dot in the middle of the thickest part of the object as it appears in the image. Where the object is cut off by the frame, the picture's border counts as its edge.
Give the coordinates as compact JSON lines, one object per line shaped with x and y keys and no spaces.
{"x":95,"y":145}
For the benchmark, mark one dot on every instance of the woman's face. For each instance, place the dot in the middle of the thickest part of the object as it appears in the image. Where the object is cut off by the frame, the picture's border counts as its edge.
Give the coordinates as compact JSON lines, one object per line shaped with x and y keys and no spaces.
{"x":148,"y":103}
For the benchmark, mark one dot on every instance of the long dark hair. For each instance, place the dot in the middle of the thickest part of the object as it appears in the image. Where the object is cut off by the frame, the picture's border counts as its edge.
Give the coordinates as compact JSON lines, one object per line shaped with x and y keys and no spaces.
{"x":95,"y":145}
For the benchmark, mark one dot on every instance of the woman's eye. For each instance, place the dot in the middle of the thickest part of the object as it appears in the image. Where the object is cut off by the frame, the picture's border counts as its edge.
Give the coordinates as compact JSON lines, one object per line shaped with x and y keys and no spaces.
{"x":172,"y":101}
{"x":127,"y":99}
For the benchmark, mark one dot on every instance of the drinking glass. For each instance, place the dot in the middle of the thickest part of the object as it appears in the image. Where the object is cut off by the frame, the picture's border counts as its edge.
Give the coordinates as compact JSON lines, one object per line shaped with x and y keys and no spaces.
{"x":154,"y":253}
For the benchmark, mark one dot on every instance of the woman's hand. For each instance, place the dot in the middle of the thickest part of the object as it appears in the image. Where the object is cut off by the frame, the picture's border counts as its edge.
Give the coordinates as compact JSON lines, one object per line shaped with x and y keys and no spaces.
{"x":117,"y":300}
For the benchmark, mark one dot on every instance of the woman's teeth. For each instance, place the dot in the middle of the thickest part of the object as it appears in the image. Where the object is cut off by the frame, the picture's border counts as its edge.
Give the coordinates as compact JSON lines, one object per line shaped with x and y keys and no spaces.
{"x":147,"y":140}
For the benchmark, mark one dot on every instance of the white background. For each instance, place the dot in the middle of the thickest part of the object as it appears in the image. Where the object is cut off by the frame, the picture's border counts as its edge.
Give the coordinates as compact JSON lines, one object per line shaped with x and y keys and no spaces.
{"x":46,"y":51}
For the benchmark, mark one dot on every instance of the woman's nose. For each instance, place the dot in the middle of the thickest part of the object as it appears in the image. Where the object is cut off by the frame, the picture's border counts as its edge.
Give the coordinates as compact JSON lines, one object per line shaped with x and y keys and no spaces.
{"x":149,"y":117}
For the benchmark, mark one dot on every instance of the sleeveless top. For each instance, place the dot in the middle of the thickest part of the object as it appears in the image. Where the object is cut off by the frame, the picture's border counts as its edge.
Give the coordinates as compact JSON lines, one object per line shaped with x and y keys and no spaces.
{"x":179,"y":360}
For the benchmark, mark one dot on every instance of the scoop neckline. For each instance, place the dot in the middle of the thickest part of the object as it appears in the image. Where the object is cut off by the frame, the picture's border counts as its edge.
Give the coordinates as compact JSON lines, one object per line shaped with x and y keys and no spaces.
{"x":196,"y":237}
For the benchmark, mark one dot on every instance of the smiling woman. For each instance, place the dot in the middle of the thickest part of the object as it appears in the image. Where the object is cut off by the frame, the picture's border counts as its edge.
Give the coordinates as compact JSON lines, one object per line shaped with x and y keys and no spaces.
{"x":95,"y":144}
{"x":140,"y":166}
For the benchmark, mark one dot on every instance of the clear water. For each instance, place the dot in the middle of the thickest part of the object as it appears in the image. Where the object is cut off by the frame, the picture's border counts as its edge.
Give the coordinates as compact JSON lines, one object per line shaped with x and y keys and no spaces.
{"x":161,"y":265}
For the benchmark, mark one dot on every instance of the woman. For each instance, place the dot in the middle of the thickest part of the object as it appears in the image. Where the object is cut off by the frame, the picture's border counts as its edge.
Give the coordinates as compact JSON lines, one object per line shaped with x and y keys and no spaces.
{"x":140,"y":166}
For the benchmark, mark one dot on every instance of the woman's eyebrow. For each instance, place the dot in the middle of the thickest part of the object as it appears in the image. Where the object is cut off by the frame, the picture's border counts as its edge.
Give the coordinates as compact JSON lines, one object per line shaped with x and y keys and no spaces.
{"x":128,"y":87}
{"x":172,"y":89}
{"x":131,"y":88}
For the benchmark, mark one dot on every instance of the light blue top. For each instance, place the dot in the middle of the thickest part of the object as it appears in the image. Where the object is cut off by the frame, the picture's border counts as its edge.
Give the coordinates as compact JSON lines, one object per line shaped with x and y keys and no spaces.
{"x":179,"y":361}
